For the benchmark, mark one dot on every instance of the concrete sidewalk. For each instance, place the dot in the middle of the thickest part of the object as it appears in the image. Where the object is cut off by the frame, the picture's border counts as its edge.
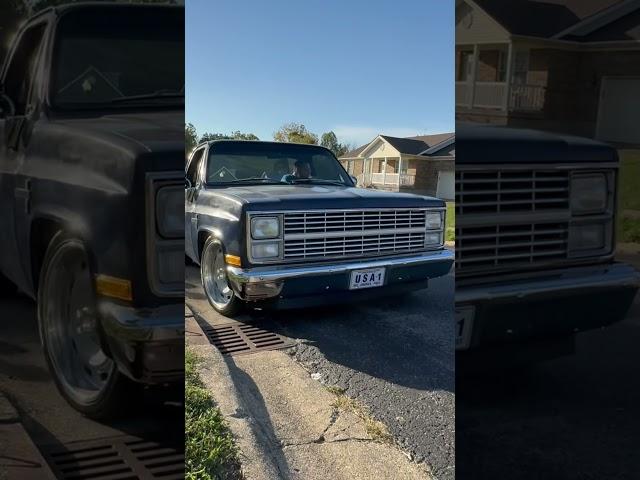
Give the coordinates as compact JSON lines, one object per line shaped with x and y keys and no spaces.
{"x":287,"y":425}
{"x":19,"y":457}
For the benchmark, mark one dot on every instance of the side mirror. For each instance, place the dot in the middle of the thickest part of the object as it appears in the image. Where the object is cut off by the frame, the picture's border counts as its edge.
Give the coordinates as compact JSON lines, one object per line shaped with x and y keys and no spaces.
{"x":7,"y":108}
{"x":355,"y":180}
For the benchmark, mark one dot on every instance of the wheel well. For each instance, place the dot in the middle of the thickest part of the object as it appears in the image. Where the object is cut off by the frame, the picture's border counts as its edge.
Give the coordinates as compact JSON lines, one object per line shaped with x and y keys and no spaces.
{"x":42,"y":232}
{"x":202,"y":238}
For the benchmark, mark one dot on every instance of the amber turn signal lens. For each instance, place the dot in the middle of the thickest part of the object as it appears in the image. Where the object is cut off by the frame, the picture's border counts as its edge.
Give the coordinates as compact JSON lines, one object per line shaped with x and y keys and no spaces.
{"x":233,"y":260}
{"x":113,"y":287}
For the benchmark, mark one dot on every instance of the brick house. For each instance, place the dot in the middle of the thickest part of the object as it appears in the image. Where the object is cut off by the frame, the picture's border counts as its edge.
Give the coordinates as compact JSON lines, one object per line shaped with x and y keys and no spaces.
{"x":423,"y":164}
{"x":563,"y":65}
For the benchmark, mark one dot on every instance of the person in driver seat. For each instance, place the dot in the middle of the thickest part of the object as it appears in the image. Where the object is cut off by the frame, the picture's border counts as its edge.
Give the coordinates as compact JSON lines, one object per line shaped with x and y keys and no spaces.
{"x":301,"y":170}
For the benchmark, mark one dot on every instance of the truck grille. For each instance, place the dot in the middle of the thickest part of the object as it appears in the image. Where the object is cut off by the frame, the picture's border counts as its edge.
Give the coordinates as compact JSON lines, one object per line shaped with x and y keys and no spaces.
{"x":352,"y":233}
{"x":511,"y":191}
{"x":481,"y":248}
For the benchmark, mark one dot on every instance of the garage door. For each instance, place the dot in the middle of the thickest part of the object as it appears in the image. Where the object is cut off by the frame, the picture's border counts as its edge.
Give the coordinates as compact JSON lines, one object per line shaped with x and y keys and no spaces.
{"x":619,"y":111}
{"x":446,"y":185}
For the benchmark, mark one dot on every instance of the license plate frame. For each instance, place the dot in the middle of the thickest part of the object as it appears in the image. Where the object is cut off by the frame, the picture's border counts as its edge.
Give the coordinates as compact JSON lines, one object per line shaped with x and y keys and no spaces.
{"x":377,"y":278}
{"x":464,"y":317}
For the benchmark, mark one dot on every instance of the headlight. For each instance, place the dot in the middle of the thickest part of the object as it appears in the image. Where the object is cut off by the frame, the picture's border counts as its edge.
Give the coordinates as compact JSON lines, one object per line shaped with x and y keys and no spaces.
{"x":588,"y":193}
{"x":433,"y":239}
{"x":588,"y":237}
{"x":170,"y":211}
{"x":265,"y":227}
{"x":434,"y":220}
{"x":265,"y":250}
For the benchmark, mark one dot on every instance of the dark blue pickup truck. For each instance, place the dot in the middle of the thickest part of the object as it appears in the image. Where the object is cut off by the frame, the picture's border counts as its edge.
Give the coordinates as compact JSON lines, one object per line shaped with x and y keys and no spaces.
{"x":91,"y":166}
{"x":283,"y":225}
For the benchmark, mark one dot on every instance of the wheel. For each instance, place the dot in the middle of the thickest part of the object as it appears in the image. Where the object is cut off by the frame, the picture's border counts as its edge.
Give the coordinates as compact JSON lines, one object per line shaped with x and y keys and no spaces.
{"x":213,"y":272}
{"x":69,"y":330}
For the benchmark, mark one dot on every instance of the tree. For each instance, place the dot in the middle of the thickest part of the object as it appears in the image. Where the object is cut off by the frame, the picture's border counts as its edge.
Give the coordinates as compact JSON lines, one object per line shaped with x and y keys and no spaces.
{"x":237,"y":135}
{"x":190,"y":138}
{"x":295,"y":133}
{"x":330,"y":141}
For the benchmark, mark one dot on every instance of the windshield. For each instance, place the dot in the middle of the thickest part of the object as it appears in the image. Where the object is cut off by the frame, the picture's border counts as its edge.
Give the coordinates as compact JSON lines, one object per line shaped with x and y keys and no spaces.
{"x":119,"y":56}
{"x":273,"y":163}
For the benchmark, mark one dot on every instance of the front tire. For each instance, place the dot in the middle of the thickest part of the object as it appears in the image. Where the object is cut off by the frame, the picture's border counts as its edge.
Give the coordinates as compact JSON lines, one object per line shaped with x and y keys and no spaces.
{"x":85,"y":375}
{"x":213,"y":273}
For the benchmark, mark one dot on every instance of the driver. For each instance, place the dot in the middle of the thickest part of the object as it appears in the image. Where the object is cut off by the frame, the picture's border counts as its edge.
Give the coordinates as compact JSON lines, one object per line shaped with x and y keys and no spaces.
{"x":301,"y":170}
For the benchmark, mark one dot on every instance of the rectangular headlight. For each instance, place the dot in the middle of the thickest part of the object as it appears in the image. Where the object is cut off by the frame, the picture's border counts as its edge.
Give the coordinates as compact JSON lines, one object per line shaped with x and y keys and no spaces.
{"x":265,"y":227}
{"x":265,"y":250}
{"x":170,"y":211}
{"x":587,"y":237}
{"x":588,"y":193}
{"x":434,"y":220}
{"x":433,"y":239}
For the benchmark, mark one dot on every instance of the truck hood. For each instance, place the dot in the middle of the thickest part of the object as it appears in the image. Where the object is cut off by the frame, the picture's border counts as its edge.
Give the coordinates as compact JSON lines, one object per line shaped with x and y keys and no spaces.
{"x":152,"y":131}
{"x":305,"y":197}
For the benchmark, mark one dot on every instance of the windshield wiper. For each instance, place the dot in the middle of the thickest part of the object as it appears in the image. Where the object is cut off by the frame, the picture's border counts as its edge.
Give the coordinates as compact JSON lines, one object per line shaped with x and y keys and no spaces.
{"x":261,"y":180}
{"x":149,"y":96}
{"x":319,"y":181}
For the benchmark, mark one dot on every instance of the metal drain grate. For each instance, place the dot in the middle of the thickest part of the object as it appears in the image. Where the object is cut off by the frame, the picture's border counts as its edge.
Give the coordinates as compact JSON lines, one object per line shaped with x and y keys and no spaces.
{"x":127,"y":458}
{"x":243,"y":338}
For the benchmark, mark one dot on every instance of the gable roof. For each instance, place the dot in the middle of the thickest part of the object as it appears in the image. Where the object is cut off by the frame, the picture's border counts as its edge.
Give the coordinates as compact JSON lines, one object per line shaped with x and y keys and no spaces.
{"x":543,"y":18}
{"x":409,"y":145}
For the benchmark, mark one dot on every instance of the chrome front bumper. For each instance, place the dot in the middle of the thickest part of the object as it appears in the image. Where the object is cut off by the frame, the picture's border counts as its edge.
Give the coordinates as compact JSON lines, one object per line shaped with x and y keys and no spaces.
{"x":267,"y":282}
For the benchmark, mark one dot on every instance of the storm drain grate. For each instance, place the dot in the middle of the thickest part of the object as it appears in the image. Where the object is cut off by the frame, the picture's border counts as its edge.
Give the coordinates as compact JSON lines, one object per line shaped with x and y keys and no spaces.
{"x":128,"y":458}
{"x":243,"y":338}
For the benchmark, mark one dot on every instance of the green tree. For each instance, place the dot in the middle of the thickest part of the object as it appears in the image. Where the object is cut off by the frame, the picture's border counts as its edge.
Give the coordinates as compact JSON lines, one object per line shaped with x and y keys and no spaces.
{"x":330,"y":141}
{"x":295,"y":133}
{"x":190,"y":138}
{"x":237,"y":135}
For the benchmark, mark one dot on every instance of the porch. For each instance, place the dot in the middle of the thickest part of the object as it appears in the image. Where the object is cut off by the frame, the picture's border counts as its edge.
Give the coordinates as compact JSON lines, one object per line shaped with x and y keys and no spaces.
{"x":383,"y":172}
{"x":496,"y":76}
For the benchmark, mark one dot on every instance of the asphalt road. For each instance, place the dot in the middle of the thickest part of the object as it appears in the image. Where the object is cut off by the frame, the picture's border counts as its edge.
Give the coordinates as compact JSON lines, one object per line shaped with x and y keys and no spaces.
{"x":395,"y":355}
{"x":573,"y":418}
{"x":25,"y":380}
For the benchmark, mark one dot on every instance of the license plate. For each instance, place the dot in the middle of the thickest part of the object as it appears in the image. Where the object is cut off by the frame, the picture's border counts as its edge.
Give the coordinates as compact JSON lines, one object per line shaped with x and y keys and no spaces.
{"x":464,"y":326}
{"x":373,"y":277}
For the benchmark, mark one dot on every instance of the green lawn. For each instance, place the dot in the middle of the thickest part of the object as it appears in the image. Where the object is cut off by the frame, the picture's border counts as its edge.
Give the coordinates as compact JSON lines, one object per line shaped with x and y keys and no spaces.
{"x":628,"y":229}
{"x":450,"y":234}
{"x":210,"y":452}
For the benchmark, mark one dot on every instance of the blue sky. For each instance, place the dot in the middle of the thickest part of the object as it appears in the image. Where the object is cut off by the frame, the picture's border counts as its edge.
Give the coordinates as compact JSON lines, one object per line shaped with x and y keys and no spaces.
{"x":356,"y":67}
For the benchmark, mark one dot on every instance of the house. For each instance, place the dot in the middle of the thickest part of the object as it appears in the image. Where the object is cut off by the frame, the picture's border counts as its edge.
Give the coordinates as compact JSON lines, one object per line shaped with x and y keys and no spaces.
{"x":565,"y":65}
{"x":422,"y":164}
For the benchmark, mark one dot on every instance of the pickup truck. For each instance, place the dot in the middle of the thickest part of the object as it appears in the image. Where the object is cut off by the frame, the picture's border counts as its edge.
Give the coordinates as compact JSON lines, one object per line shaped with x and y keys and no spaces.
{"x":91,"y":161}
{"x":535,"y":240}
{"x":283,"y":225}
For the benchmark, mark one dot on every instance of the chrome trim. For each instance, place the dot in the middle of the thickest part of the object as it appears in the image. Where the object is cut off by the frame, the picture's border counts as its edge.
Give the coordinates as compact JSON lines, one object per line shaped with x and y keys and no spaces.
{"x":554,"y":283}
{"x":241,"y":276}
{"x":155,"y":243}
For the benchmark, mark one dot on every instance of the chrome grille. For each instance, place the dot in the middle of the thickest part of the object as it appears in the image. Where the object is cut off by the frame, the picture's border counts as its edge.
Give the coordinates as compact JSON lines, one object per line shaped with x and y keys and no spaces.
{"x":353,"y":233}
{"x":500,"y":191}
{"x":493,"y":247}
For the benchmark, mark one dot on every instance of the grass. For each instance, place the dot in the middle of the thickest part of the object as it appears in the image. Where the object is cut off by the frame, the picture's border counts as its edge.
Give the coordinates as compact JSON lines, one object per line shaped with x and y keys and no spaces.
{"x":628,"y":229}
{"x":450,"y":234}
{"x":375,"y":429}
{"x":210,"y":452}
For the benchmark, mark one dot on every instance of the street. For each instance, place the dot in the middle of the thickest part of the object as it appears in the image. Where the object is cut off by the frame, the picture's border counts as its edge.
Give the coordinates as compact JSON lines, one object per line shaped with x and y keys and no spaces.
{"x":576,"y":417}
{"x":395,"y":355}
{"x":56,"y":428}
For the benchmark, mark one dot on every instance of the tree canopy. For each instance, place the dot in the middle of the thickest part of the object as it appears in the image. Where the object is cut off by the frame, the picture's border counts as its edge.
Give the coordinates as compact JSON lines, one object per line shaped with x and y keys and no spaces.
{"x":295,"y":133}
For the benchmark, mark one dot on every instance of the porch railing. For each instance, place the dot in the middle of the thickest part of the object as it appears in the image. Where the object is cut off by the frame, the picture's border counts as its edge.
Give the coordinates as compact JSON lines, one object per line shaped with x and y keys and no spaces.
{"x":392,"y":179}
{"x":492,"y":95}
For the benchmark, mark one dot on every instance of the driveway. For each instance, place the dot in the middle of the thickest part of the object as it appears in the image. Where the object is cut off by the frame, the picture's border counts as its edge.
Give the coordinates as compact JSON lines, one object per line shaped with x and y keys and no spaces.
{"x":395,"y":355}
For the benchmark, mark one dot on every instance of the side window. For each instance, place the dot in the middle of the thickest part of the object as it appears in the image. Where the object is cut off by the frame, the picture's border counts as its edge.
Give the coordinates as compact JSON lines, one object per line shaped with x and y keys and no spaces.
{"x":20,"y":74}
{"x":192,"y":169}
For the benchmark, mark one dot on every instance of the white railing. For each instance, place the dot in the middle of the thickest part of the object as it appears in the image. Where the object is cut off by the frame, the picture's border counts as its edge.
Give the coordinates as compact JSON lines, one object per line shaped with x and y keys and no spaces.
{"x":527,"y":97}
{"x":385,"y":179}
{"x":407,"y":180}
{"x":492,"y":95}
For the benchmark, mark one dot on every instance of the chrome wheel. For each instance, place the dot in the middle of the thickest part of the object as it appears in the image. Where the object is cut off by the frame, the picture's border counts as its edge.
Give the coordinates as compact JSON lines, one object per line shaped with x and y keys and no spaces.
{"x":69,"y":326}
{"x":214,"y":277}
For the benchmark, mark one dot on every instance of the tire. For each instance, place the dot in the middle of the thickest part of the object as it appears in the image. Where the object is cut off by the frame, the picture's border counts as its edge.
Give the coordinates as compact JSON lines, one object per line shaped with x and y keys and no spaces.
{"x":213,"y":275}
{"x":85,"y":375}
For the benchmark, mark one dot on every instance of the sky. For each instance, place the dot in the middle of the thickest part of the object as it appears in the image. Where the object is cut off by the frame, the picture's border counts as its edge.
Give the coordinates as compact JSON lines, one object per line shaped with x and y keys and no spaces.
{"x":358,"y":68}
